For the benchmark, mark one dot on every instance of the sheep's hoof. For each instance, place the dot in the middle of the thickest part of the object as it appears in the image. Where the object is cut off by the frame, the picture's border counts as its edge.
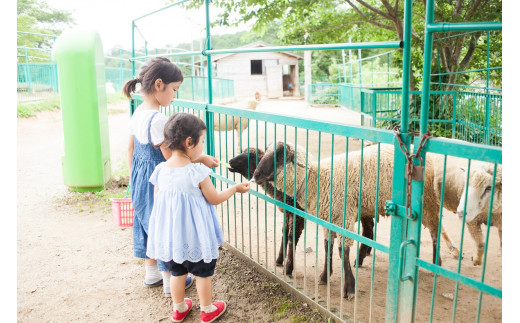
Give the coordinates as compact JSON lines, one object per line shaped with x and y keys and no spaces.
{"x":321,"y":282}
{"x":349,"y":296}
{"x":279,"y":264}
{"x":454,"y":252}
{"x":323,"y":278}
{"x":476,"y":262}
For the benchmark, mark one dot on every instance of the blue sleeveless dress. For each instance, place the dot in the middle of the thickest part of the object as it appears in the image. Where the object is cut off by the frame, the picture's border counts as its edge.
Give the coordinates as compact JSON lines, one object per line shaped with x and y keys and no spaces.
{"x":145,"y":158}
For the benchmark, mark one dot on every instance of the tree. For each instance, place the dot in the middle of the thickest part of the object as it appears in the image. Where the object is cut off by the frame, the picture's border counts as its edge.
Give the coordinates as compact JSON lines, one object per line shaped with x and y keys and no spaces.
{"x":334,"y":21}
{"x":38,"y":17}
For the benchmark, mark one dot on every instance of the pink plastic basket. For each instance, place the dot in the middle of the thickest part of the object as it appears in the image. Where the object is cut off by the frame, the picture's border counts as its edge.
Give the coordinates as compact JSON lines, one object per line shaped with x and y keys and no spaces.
{"x":123,"y":211}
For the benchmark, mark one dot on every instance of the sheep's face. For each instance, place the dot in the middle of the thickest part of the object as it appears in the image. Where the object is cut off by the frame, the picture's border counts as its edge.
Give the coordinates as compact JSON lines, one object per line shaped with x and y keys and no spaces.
{"x":245,"y":163}
{"x":479,"y":193}
{"x":265,"y":170}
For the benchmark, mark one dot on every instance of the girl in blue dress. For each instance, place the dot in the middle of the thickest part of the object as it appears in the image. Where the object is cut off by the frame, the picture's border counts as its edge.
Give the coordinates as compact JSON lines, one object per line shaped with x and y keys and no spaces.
{"x":184,"y":231}
{"x":160,"y":80}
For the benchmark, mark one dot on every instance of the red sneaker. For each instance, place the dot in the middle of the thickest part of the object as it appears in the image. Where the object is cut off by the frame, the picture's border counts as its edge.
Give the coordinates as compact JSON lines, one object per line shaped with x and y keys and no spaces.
{"x":178,"y":317}
{"x":210,"y":317}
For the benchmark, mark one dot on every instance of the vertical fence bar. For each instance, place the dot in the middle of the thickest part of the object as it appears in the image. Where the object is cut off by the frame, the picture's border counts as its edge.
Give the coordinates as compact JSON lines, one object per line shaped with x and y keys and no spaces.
{"x":133,"y":104}
{"x":487,"y":91}
{"x":399,"y":308}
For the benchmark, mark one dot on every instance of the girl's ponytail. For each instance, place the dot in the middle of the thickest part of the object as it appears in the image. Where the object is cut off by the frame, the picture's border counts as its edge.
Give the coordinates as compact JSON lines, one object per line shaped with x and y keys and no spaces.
{"x":130,"y":87}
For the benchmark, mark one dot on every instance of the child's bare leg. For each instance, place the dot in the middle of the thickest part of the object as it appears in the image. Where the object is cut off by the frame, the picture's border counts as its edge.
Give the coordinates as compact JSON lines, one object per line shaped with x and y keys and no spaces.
{"x":204,"y":289}
{"x":150,"y":262}
{"x":177,"y":284}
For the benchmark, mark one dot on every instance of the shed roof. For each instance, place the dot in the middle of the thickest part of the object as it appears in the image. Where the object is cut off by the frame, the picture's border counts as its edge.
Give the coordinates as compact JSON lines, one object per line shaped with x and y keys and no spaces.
{"x":259,"y":43}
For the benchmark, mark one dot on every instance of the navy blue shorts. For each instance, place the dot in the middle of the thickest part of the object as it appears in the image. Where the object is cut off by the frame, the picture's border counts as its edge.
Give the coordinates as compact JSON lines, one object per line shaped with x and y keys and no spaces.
{"x":198,"y":269}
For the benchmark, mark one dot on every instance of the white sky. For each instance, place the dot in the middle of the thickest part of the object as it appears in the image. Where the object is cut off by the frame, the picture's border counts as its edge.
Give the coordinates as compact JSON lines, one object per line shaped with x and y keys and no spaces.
{"x":112,"y":20}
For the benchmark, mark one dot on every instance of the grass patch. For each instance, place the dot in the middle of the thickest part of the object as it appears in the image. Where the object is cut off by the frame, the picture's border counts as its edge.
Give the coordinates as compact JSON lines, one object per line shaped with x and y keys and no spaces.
{"x":90,"y":201}
{"x":29,"y":109}
{"x":25,"y":110}
{"x":284,"y":308}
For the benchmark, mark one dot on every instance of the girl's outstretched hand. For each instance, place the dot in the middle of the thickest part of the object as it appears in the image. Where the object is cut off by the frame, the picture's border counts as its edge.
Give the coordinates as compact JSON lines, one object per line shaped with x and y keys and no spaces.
{"x":208,"y":160}
{"x":242,"y":187}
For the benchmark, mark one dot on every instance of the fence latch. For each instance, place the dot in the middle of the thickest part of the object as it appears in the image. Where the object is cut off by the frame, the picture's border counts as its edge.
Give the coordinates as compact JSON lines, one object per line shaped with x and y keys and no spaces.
{"x":400,"y":210}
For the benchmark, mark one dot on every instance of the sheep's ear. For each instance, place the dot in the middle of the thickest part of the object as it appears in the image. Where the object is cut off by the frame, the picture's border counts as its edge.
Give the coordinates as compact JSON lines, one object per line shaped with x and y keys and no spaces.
{"x":491,"y":168}
{"x":299,"y":163}
{"x":463,"y":169}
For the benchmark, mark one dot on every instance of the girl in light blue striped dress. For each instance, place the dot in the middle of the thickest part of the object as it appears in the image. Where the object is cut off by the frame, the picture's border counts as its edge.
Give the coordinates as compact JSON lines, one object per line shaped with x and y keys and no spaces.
{"x":184,"y":232}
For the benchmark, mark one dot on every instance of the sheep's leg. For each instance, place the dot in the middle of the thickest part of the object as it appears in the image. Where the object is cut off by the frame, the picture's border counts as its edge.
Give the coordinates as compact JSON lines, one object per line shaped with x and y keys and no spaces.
{"x":476,"y":233}
{"x":285,"y":239}
{"x":500,"y":235}
{"x":367,"y":224}
{"x":328,"y":256}
{"x":289,"y":266}
{"x":349,"y":288}
{"x":368,"y":231}
{"x":451,"y":246}
{"x":433,"y":234}
{"x":283,"y":243}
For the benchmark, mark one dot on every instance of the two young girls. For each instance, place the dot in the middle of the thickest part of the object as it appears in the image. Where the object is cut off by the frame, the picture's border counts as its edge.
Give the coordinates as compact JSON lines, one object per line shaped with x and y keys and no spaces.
{"x":176,"y":229}
{"x":160,"y":80}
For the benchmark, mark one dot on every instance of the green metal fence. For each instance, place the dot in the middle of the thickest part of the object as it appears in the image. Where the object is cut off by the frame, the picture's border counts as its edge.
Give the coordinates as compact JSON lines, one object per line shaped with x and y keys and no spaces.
{"x":117,"y":76}
{"x":195,"y":88}
{"x":402,"y":280}
{"x":36,"y":81}
{"x":324,"y":94}
{"x":469,"y":116}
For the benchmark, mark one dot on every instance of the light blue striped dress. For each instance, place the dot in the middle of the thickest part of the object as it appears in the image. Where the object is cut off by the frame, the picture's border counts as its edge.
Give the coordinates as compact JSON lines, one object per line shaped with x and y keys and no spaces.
{"x":183,"y":225}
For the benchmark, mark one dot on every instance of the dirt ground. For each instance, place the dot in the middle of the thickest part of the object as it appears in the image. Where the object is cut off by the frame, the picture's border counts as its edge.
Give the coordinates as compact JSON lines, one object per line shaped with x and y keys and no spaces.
{"x":85,"y":269}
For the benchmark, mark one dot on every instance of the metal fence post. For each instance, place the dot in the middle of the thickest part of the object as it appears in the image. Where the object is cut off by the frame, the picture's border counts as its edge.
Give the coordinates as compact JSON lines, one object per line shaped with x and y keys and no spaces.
{"x":210,"y":146}
{"x":399,"y":306}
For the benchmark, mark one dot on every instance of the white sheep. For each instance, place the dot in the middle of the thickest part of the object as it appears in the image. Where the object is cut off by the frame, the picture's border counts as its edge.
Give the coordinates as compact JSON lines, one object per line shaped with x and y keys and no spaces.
{"x":478,"y":199}
{"x":223,"y":122}
{"x":307,"y":176}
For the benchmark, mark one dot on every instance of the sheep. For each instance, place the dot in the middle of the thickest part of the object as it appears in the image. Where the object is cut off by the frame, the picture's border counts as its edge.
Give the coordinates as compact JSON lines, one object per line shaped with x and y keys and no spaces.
{"x":478,"y":198}
{"x":265,"y":172}
{"x":223,"y":122}
{"x":245,"y":164}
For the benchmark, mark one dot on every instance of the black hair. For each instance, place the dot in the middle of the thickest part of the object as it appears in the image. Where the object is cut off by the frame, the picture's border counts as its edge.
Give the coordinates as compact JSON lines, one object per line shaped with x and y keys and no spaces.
{"x":181,"y":126}
{"x":155,"y":68}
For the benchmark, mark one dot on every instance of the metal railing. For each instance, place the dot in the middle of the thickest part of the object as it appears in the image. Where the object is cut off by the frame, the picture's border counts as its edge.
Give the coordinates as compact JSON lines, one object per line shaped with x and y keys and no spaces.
{"x":469,"y":116}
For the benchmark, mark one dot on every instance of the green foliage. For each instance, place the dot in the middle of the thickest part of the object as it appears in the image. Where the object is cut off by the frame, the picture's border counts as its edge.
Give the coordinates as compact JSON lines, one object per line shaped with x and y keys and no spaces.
{"x":284,"y":307}
{"x":335,"y":21}
{"x":25,"y":110}
{"x":36,"y":16}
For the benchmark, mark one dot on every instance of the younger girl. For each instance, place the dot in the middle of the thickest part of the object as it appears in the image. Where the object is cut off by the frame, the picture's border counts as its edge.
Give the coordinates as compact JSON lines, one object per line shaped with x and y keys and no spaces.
{"x":184,"y":230}
{"x":160,"y":80}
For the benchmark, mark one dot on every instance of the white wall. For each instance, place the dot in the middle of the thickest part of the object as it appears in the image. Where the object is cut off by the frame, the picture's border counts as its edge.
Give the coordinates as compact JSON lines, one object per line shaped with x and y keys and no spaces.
{"x":238,"y":68}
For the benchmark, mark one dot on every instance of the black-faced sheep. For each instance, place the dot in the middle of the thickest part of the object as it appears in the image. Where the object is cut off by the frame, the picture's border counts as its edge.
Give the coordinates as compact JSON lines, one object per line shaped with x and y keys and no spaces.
{"x":320,"y":195}
{"x":245,"y":164}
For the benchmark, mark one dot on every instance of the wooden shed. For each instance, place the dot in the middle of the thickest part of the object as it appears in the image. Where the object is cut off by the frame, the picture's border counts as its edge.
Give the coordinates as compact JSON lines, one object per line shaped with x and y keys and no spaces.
{"x":273,"y":74}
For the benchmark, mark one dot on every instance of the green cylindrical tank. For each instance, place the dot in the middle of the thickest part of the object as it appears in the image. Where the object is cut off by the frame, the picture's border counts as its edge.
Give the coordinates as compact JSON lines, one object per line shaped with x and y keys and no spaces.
{"x":81,"y":75}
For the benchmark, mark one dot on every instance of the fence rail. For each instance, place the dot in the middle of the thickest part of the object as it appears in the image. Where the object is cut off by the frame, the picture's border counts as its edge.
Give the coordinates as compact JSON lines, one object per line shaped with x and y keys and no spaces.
{"x":36,"y":81}
{"x":468,"y":116}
